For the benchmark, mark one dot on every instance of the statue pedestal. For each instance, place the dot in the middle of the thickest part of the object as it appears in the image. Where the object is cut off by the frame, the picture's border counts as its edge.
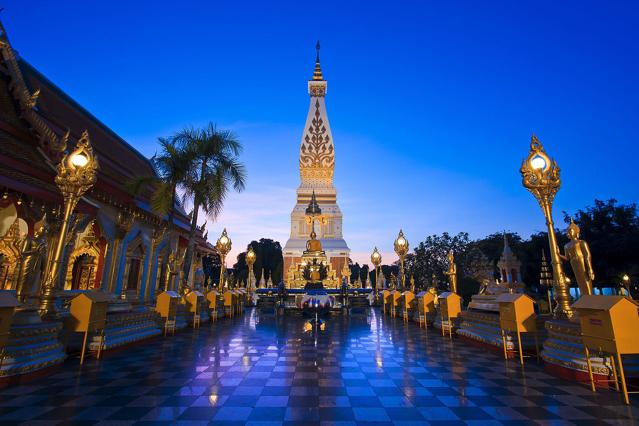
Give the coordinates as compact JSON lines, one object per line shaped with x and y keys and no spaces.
{"x":563,"y":354}
{"x":181,"y":319}
{"x":126,"y":324}
{"x":33,"y":348}
{"x":482,"y":328}
{"x":437,"y":323}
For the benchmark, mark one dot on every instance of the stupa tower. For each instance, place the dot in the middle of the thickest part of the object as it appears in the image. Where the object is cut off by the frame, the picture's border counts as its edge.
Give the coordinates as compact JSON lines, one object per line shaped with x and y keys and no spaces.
{"x":317,"y":165}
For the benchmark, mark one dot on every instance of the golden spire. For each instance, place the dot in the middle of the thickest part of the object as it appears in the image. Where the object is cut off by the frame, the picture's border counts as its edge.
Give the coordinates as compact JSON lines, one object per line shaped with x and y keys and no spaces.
{"x":317,"y":73}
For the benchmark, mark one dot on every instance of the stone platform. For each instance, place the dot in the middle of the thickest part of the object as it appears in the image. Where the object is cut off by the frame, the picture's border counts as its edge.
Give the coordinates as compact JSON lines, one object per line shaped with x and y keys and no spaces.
{"x":33,"y":346}
{"x":483,"y":328}
{"x":563,"y":355}
{"x":127,"y":324}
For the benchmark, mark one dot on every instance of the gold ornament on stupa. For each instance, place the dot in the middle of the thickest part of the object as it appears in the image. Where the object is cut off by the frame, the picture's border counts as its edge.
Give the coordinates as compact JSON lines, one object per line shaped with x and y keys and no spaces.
{"x":314,"y":258}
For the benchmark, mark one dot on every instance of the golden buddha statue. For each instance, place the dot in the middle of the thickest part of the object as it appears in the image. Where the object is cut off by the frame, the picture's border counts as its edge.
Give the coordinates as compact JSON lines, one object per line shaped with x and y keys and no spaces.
{"x":577,"y":252}
{"x":313,"y":245}
{"x":393,"y":281}
{"x":33,"y":252}
{"x":452,"y":272}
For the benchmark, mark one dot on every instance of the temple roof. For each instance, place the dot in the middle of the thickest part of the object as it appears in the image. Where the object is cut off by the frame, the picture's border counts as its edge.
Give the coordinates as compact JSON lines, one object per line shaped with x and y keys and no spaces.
{"x":119,"y":161}
{"x":37,"y":121}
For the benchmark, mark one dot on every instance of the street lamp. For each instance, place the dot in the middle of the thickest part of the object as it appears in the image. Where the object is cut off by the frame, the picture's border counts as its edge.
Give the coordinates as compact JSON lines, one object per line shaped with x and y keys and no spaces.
{"x":626,"y":284}
{"x":76,"y":174}
{"x":540,"y":176}
{"x":401,"y":248}
{"x":376,"y":259}
{"x":250,"y":260}
{"x":223,"y":246}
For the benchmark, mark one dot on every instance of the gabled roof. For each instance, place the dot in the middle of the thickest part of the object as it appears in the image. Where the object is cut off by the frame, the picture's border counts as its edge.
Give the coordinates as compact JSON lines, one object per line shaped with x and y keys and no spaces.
{"x":599,"y":302}
{"x":119,"y":161}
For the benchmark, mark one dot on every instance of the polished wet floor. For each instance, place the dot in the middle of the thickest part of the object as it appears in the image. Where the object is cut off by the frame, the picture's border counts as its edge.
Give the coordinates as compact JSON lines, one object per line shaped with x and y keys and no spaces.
{"x":267,"y":371}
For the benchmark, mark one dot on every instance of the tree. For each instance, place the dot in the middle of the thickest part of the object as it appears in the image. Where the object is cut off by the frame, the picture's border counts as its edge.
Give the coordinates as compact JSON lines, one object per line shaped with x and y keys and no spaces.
{"x":171,"y":166}
{"x":612,"y":231}
{"x":268,"y":257}
{"x":355,"y":271}
{"x":387,"y":270}
{"x":211,"y":268}
{"x":215,"y":168}
{"x":240,"y":268}
{"x":363,"y":273}
{"x":430,"y":257}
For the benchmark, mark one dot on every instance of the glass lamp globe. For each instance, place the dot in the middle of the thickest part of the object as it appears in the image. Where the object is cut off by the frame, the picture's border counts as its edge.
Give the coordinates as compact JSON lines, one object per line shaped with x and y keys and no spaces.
{"x":79,"y":159}
{"x":538,"y":162}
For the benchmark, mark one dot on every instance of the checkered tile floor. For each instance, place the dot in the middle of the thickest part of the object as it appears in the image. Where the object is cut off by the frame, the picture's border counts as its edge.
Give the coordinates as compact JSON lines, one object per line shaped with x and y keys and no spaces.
{"x":266,"y":371}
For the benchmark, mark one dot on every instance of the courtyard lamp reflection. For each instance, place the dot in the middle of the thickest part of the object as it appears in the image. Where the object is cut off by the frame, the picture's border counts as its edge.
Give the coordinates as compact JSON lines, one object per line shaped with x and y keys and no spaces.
{"x":223,"y":246}
{"x":376,"y":260}
{"x":541,"y":176}
{"x":76,"y":174}
{"x":250,"y":260}
{"x":401,"y":248}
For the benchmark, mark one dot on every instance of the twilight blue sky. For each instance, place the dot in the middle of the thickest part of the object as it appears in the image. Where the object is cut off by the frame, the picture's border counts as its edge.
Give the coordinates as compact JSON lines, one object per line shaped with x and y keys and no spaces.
{"x":431,"y":104}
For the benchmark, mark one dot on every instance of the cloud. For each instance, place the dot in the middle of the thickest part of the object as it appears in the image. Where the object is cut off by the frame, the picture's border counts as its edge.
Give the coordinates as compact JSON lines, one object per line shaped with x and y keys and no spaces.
{"x":254,"y":214}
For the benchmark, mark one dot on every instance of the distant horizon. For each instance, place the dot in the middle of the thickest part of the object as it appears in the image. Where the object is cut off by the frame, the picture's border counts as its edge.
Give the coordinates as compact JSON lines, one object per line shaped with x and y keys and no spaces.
{"x":431,"y":105}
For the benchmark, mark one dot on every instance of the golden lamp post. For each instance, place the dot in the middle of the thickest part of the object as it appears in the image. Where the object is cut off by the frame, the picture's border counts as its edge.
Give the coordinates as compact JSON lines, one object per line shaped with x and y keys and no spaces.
{"x":401,"y":248}
{"x":223,"y":246}
{"x":376,"y":259}
{"x":540,"y":176}
{"x":76,"y":174}
{"x":250,"y":260}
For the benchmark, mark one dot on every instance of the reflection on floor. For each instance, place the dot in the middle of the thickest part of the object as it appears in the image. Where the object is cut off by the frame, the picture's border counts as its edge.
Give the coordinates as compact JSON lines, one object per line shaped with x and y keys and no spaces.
{"x":265,"y":371}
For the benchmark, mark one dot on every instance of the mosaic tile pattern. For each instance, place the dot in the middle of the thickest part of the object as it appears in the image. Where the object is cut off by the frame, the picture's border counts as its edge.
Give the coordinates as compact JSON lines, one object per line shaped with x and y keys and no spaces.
{"x":266,"y":371}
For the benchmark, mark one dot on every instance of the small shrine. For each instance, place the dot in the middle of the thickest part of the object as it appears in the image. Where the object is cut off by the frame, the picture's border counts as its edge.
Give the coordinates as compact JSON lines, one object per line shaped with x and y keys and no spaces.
{"x":481,"y":322}
{"x":509,"y":281}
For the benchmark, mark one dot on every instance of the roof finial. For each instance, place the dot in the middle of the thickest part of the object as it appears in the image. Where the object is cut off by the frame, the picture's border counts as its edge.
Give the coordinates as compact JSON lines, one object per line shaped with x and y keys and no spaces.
{"x":317,"y":73}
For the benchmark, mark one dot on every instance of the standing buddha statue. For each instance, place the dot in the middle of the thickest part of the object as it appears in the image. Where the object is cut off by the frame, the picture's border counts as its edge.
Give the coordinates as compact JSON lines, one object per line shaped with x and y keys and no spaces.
{"x":577,"y":252}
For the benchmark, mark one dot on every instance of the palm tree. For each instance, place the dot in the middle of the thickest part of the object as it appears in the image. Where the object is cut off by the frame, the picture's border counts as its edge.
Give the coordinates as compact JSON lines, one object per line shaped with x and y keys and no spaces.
{"x":171,"y":167}
{"x":215,"y":168}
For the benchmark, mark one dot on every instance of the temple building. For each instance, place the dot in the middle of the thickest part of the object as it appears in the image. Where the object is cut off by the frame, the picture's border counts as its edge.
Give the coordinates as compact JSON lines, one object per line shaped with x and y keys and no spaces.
{"x":317,"y":166}
{"x":115,"y":244}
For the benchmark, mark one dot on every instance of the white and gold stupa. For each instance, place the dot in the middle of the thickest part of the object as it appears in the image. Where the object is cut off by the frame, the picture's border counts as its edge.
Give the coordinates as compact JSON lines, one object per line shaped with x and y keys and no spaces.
{"x":317,"y":165}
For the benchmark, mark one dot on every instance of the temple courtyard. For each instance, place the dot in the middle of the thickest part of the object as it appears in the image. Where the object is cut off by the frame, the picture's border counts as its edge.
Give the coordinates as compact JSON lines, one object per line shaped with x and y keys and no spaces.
{"x":266,"y":370}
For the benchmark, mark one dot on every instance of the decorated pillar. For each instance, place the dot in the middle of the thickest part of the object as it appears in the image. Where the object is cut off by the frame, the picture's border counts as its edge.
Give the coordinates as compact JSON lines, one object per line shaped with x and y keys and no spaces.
{"x":156,"y":238}
{"x":123,"y":225}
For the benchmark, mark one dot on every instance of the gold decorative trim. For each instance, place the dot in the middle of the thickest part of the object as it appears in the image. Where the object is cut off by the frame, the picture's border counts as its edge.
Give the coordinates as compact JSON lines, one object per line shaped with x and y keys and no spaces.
{"x":316,"y":151}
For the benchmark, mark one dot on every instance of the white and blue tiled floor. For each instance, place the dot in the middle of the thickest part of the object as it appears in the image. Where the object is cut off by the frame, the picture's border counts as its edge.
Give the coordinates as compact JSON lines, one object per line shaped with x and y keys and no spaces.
{"x":267,"y":371}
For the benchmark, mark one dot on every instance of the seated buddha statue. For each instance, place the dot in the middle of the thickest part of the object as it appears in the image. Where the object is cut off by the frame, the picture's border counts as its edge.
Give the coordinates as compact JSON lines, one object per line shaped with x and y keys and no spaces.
{"x":313,"y":244}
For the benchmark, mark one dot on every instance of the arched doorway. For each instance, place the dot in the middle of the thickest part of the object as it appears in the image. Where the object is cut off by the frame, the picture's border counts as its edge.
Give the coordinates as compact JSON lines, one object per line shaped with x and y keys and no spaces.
{"x":83,"y":272}
{"x":84,"y":261}
{"x":135,"y":253}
